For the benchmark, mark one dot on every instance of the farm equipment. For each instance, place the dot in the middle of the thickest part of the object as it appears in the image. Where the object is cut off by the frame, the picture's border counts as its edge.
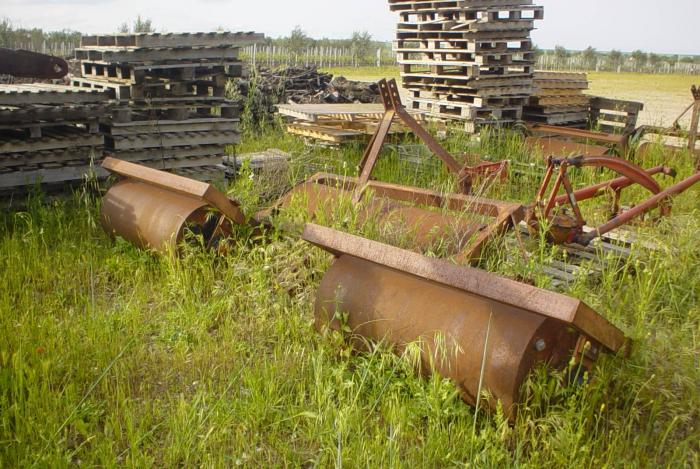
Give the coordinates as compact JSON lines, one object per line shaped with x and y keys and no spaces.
{"x":564,"y":227}
{"x":25,"y":64}
{"x":484,"y":332}
{"x":155,"y":210}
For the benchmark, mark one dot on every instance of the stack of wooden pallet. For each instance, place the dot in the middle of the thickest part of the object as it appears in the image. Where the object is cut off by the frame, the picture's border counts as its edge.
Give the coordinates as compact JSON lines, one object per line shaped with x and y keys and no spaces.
{"x":48,"y":134}
{"x":470,"y":60}
{"x":172,"y":112}
{"x":335,"y":123}
{"x":559,"y":99}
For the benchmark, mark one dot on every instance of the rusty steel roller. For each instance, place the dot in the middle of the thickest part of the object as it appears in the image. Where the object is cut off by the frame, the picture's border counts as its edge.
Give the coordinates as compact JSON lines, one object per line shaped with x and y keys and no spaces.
{"x":462,"y":319}
{"x":155,"y":210}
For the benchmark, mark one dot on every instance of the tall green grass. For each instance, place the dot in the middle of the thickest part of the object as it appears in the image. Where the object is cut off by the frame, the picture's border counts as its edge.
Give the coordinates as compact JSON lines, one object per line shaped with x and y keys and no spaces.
{"x":110,"y":356}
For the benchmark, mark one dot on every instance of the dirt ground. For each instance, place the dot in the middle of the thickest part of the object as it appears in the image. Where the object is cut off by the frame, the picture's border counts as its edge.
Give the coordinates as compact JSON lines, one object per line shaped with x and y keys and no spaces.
{"x":664,"y":96}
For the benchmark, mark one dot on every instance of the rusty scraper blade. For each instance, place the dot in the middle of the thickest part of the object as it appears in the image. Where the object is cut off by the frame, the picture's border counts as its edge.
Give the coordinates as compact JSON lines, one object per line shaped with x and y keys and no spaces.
{"x":153,"y":209}
{"x":402,"y":297}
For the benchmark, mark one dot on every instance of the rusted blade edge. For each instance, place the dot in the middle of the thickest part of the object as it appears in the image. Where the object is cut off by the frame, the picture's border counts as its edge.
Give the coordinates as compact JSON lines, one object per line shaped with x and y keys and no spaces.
{"x":474,"y":281}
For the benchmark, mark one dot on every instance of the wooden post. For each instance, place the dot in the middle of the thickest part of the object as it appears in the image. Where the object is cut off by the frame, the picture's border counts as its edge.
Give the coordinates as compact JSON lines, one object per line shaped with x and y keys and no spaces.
{"x":694,"y":121}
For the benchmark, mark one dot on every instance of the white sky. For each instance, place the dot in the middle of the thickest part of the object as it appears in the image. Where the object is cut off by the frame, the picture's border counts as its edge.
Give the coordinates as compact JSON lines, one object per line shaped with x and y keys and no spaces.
{"x":669,"y":26}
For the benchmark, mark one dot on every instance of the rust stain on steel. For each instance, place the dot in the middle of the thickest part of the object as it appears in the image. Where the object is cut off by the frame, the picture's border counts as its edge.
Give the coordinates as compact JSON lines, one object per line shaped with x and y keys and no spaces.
{"x":412,"y":210}
{"x":153,"y":209}
{"x":394,"y":108}
{"x":403,"y":297}
{"x":554,"y":146}
{"x":25,"y":64}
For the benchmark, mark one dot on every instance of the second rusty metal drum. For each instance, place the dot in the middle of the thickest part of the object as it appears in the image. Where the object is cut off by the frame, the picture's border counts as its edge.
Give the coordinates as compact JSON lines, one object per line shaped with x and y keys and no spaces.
{"x":450,"y":326}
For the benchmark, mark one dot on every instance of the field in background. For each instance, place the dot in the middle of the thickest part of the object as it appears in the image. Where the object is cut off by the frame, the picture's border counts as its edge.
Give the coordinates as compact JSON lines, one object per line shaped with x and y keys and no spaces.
{"x":664,"y":96}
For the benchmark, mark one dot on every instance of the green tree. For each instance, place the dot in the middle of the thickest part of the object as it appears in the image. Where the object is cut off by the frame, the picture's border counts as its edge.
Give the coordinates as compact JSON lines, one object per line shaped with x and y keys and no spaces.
{"x":615,"y":57}
{"x":561,"y":53}
{"x":639,"y":58}
{"x":590,"y":58}
{"x":297,"y":40}
{"x":143,"y":25}
{"x":654,"y":60}
{"x":361,"y":44}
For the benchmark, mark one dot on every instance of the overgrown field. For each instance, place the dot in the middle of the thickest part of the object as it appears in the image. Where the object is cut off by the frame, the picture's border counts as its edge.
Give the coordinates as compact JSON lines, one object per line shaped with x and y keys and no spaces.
{"x":110,"y":356}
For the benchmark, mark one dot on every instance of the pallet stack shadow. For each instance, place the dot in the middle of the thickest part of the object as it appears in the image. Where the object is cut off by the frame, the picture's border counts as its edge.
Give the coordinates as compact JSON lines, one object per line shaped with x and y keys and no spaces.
{"x":49,"y":135}
{"x":172,"y":112}
{"x":467,"y":60}
{"x":559,"y":99}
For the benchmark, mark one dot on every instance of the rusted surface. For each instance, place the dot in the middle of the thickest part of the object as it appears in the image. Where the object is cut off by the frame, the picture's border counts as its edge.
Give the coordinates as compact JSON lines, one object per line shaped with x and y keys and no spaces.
{"x":394,"y":108}
{"x":25,"y":64}
{"x":463,"y":224}
{"x":617,"y":140}
{"x":556,"y":146}
{"x":403,"y":297}
{"x":155,"y":210}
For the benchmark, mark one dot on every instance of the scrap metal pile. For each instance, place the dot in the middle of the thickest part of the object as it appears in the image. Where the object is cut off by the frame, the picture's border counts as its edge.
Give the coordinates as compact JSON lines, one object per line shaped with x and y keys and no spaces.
{"x":559,"y":99}
{"x":171,"y":109}
{"x":49,"y":134}
{"x":467,"y":60}
{"x":483,"y":331}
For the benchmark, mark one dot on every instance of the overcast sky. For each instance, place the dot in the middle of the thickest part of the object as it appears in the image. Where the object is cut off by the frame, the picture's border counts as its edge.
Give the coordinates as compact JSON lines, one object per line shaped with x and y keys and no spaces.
{"x":665,"y":27}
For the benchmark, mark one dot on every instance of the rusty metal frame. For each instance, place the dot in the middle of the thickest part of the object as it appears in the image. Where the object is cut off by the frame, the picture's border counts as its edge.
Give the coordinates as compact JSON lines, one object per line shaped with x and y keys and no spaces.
{"x":394,"y":108}
{"x":620,"y":141}
{"x":564,"y":230}
{"x":503,"y":215}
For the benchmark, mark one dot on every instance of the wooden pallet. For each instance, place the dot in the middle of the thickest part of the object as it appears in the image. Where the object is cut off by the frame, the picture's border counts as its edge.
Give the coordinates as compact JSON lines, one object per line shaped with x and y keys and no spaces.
{"x":165,"y":126}
{"x":49,"y":173}
{"x":52,"y":139}
{"x":36,"y":130}
{"x":13,"y":160}
{"x":150,"y":40}
{"x":143,"y":141}
{"x":124,"y":92}
{"x":142,"y":55}
{"x":180,"y":152}
{"x":40,"y":93}
{"x":40,"y":112}
{"x":130,"y":74}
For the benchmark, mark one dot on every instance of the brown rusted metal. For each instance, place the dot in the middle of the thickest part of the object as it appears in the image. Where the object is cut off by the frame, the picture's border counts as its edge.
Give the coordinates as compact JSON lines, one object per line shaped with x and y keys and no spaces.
{"x":464,"y":222}
{"x":402,"y":297}
{"x":394,"y":108}
{"x":155,"y":210}
{"x":25,"y":64}
{"x":620,"y":141}
{"x":566,"y":228}
{"x":484,"y":170}
{"x":556,"y":146}
{"x":694,"y":122}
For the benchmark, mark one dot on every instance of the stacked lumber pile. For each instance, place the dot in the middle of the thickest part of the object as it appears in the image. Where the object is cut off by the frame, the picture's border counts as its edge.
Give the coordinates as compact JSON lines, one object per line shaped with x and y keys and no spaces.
{"x":335,"y":123}
{"x":469,"y":60}
{"x":559,"y":99}
{"x":49,"y":134}
{"x":171,"y":108}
